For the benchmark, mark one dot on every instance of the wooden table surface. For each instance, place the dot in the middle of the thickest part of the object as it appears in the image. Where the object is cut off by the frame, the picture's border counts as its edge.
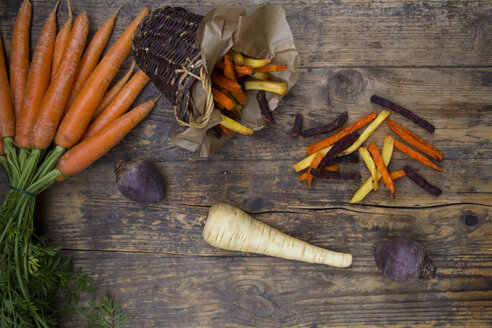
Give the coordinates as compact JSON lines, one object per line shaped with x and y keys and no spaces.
{"x":434,"y":57}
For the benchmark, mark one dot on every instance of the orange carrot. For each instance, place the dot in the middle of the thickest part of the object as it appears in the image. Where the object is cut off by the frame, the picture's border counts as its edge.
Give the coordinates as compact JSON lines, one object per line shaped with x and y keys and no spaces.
{"x":19,"y":55}
{"x":395,"y":175}
{"x":38,"y":81}
{"x":314,"y":165}
{"x":229,"y":68}
{"x":222,"y":99}
{"x":61,"y":42}
{"x":345,"y":132}
{"x":240,"y":96}
{"x":224,"y":82}
{"x":270,"y":68}
{"x":119,"y":105}
{"x":378,"y":160}
{"x":226,"y":130}
{"x":415,"y":141}
{"x":79,"y":115}
{"x":7,"y":119}
{"x":303,"y":177}
{"x":109,"y":96}
{"x":91,"y":56}
{"x":332,"y":168}
{"x":88,"y":151}
{"x":55,"y":99}
{"x":415,"y":155}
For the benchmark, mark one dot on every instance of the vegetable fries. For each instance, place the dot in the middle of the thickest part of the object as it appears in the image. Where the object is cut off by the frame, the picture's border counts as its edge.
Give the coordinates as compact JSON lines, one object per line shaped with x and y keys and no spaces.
{"x":228,"y":93}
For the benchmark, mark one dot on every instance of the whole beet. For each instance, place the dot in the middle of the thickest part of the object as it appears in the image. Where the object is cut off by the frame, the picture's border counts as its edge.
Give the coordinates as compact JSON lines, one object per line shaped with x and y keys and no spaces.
{"x":403,"y":260}
{"x":139,"y":181}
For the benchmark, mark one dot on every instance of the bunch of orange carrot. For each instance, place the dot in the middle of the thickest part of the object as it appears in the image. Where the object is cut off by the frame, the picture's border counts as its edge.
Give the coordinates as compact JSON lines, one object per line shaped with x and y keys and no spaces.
{"x":227,"y":87}
{"x":57,"y":117}
{"x":376,"y":162}
{"x":60,"y":98}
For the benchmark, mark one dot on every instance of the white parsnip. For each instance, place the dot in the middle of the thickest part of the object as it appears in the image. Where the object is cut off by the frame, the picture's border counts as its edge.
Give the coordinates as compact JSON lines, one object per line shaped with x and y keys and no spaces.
{"x":230,"y":228}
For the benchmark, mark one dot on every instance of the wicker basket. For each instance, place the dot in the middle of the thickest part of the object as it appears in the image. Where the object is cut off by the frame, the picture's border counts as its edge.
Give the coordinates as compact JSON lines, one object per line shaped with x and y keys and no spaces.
{"x":164,"y":48}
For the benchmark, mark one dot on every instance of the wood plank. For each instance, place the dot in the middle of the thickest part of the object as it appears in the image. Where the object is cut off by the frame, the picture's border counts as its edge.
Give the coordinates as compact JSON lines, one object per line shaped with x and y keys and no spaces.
{"x":456,"y":101}
{"x":336,"y":33}
{"x":169,"y":291}
{"x":112,"y":224}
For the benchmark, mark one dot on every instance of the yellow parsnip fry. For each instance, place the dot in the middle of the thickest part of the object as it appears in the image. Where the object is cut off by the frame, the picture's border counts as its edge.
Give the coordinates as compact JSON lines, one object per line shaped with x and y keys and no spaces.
{"x":275,"y":87}
{"x":235,"y":126}
{"x":364,"y":153}
{"x":367,"y":132}
{"x":366,"y":187}
{"x":255,"y":63}
{"x":304,"y":163}
{"x":236,"y":57}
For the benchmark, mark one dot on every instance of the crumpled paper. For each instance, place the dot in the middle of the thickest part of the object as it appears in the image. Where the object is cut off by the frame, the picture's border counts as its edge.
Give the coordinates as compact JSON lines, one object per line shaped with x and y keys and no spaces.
{"x":264,"y":33}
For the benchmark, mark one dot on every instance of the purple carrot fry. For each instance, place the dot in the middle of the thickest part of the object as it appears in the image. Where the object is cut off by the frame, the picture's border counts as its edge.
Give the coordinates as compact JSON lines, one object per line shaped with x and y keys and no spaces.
{"x":421,"y":181}
{"x":296,"y":128}
{"x":352,"y":158}
{"x":217,"y":131}
{"x":265,"y":110}
{"x":342,"y":118}
{"x":403,"y":111}
{"x":335,"y":175}
{"x":338,"y":147}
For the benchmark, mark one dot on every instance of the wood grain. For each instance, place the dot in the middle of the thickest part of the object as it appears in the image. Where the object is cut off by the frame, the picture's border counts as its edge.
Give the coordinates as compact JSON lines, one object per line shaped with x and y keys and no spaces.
{"x":433,"y":57}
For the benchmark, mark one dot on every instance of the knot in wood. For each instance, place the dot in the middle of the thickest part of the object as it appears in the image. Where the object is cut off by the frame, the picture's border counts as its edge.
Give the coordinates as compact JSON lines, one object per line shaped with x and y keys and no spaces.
{"x":346,"y":86}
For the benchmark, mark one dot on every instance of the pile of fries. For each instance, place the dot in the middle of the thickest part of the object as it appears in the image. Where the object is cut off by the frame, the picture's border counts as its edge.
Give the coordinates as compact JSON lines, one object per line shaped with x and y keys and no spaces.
{"x":234,"y":74}
{"x":324,"y":155}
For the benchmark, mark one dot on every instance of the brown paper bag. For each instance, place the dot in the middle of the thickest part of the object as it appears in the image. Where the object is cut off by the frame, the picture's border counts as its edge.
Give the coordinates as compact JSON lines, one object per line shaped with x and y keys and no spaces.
{"x":263,"y":34}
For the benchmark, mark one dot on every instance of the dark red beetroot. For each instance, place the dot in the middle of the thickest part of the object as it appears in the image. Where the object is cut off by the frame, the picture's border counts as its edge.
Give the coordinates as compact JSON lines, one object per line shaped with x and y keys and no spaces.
{"x":139,"y":181}
{"x":403,"y":260}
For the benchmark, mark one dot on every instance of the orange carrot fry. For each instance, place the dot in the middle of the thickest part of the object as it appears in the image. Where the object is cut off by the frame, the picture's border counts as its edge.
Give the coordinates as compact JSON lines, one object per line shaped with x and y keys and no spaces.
{"x":38,"y":80}
{"x":88,"y":151}
{"x":270,"y":68}
{"x":109,"y":96}
{"x":314,"y":165}
{"x":229,"y":68}
{"x":415,"y":155}
{"x":303,"y":177}
{"x":51,"y":109}
{"x":79,"y":115}
{"x":332,"y":168}
{"x":225,"y":83}
{"x":395,"y":175}
{"x":120,"y":103}
{"x":61,"y":42}
{"x":19,"y":55}
{"x":222,"y":99}
{"x":7,"y":119}
{"x":225,"y":130}
{"x":240,"y":70}
{"x":91,"y":56}
{"x":415,"y":141}
{"x":345,"y":132}
{"x":376,"y":155}
{"x":240,"y":96}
